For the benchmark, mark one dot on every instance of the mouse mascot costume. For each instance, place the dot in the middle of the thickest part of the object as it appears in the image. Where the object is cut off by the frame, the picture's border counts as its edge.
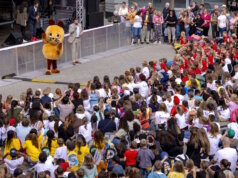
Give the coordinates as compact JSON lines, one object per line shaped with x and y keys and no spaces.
{"x":53,"y":45}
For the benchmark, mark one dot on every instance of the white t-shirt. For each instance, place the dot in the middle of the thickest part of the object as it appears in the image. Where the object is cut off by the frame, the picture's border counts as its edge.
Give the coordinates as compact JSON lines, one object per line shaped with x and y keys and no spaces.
{"x":234,"y":126}
{"x":159,"y":99}
{"x":87,"y":133}
{"x":61,"y":152}
{"x":214,"y":141}
{"x":181,"y":121}
{"x":236,"y":76}
{"x":226,"y":114}
{"x":137,"y":22}
{"x":181,"y":97}
{"x":169,"y":105}
{"x":222,"y":21}
{"x":146,"y":72}
{"x":227,"y":153}
{"x":12,"y":164}
{"x":143,"y":88}
{"x":102,"y":93}
{"x":161,"y":117}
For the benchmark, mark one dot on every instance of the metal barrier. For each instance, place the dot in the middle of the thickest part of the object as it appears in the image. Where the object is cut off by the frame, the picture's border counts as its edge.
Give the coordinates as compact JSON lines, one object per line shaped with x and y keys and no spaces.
{"x":28,"y":57}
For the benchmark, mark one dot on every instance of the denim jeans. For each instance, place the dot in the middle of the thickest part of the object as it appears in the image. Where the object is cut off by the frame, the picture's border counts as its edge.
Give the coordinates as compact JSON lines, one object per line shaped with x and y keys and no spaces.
{"x":137,"y":33}
{"x":221,"y":30}
{"x":144,"y":172}
{"x":177,"y":32}
{"x":187,"y":31}
{"x":32,"y":28}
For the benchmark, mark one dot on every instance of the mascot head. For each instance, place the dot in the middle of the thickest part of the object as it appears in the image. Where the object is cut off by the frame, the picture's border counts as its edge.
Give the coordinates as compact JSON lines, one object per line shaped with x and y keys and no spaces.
{"x":55,"y":33}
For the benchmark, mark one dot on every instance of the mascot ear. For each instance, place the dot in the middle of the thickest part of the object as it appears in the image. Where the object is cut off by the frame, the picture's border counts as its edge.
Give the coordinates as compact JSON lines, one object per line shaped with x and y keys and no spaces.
{"x":51,"y":22}
{"x":61,"y":24}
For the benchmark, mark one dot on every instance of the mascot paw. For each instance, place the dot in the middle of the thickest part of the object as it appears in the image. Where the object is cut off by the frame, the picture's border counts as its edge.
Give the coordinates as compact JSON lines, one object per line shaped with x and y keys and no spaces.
{"x":55,"y":71}
{"x":48,"y":72}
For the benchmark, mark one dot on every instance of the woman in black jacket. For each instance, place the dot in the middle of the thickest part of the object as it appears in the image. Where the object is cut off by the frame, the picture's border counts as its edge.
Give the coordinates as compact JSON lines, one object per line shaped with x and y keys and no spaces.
{"x":147,"y":23}
{"x":171,"y":22}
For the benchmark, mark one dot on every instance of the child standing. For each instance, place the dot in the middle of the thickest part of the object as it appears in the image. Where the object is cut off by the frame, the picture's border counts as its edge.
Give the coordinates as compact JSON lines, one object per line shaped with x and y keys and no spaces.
{"x":145,"y":158}
{"x":89,"y":167}
{"x":61,"y":151}
{"x":131,"y":154}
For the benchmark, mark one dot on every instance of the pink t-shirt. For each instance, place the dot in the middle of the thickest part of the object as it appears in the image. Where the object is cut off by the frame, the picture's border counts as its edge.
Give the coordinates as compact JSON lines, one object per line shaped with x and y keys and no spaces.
{"x":158,"y":19}
{"x":206,"y":18}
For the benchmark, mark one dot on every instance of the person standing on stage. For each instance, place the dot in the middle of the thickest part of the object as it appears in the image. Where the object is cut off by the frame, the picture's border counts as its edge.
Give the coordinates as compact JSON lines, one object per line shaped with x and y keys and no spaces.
{"x":33,"y":19}
{"x":76,"y":31}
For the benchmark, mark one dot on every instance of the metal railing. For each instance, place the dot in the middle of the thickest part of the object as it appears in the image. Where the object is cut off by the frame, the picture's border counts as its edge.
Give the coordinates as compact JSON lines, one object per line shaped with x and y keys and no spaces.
{"x":28,"y":57}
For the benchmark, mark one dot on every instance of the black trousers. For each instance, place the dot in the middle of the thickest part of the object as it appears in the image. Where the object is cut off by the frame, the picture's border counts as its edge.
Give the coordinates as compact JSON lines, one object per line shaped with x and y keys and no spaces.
{"x":205,"y":31}
{"x":215,"y":32}
{"x":23,"y":31}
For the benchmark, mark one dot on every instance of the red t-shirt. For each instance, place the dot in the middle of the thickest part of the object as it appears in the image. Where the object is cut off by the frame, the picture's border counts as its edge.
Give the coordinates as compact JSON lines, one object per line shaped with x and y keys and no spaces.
{"x":182,"y":41}
{"x":163,"y":66}
{"x":211,"y":60}
{"x":226,"y":39}
{"x":204,"y":65}
{"x":214,"y":47}
{"x":131,"y":156}
{"x":185,"y":79}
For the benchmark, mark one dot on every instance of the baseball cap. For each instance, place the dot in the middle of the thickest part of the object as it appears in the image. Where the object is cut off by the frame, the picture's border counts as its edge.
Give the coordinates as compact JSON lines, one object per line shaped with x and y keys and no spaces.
{"x":13,"y":153}
{"x":230,"y":133}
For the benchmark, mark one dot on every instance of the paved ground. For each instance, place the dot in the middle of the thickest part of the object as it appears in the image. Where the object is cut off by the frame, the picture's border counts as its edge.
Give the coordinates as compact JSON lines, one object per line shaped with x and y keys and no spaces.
{"x":100,"y":65}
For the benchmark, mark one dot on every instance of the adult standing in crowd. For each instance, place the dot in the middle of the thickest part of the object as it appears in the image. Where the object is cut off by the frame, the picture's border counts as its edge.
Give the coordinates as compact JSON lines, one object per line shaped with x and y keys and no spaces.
{"x":137,"y":28}
{"x":201,"y":9}
{"x":147,"y":22}
{"x":214,"y":21}
{"x":171,"y":22}
{"x":131,"y":16}
{"x":33,"y":19}
{"x":187,"y":21}
{"x":232,"y":23}
{"x":158,"y":21}
{"x":75,"y":33}
{"x":21,"y":18}
{"x":222,"y":23}
{"x":207,"y":18}
{"x":123,"y":11}
{"x":165,"y":15}
{"x":195,"y":7}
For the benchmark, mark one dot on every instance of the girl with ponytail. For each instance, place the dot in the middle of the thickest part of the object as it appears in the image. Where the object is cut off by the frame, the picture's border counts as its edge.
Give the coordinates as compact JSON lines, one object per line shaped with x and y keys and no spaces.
{"x":11,"y":142}
{"x":51,"y":142}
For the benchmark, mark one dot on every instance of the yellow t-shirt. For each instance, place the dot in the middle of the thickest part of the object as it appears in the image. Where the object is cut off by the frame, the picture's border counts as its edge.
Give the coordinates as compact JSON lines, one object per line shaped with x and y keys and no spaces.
{"x":84,"y":150}
{"x":198,"y":84}
{"x":72,"y":160}
{"x":54,"y":145}
{"x":15,"y":143}
{"x":176,"y":175}
{"x":32,"y":151}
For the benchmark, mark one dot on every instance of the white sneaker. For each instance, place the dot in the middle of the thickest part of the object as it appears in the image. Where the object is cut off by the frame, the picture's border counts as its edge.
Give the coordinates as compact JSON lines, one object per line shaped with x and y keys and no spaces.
{"x":155,"y":42}
{"x":159,"y":42}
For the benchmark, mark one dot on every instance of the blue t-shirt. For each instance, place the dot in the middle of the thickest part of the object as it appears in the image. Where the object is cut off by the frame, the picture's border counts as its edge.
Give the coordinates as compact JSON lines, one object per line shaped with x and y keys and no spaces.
{"x":119,"y":170}
{"x":157,"y":175}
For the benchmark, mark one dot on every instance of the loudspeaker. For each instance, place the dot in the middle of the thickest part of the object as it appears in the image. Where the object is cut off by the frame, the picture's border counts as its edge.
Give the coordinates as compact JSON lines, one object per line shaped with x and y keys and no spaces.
{"x":14,"y":38}
{"x":94,"y":20}
{"x":92,"y":6}
{"x":39,"y":32}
